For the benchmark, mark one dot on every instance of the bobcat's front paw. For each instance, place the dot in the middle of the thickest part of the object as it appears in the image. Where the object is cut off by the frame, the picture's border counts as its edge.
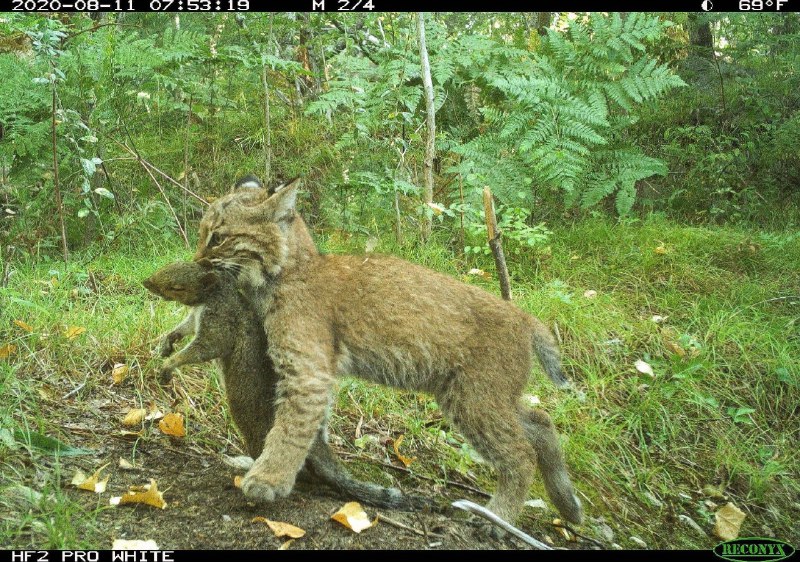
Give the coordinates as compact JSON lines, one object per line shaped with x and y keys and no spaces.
{"x":262,"y":485}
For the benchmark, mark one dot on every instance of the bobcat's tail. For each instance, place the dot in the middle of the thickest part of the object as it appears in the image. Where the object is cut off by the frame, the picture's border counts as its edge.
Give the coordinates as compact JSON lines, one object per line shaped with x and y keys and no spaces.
{"x":546,"y":348}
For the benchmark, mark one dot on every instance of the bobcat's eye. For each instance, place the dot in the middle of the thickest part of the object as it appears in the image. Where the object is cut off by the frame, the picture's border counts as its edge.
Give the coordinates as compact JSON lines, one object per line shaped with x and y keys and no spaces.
{"x":215,"y":240}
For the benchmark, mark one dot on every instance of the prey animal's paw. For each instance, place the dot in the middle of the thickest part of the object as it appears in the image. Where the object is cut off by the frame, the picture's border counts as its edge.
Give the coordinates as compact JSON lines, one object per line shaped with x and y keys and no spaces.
{"x":262,"y":485}
{"x":165,"y":348}
{"x":165,"y":375}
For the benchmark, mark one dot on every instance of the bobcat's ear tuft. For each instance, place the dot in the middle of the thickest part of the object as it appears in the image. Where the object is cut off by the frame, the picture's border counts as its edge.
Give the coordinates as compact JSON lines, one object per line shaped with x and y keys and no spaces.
{"x":284,"y":200}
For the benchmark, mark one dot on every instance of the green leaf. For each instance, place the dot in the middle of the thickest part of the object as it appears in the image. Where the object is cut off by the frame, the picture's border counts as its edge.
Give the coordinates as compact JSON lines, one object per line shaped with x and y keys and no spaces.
{"x":103,"y":192}
{"x":48,"y":444}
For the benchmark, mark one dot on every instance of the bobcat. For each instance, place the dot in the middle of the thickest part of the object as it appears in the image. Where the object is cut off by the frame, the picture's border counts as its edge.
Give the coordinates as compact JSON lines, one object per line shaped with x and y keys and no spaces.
{"x":387,"y":321}
{"x":227,"y":328}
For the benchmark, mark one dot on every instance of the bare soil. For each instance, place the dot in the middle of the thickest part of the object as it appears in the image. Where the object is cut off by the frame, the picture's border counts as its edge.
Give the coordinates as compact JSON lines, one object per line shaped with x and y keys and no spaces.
{"x":206,"y":511}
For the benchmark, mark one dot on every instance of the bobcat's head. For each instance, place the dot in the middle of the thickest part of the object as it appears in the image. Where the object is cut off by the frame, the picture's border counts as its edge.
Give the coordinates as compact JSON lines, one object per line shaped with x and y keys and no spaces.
{"x":188,"y":283}
{"x":250,"y":229}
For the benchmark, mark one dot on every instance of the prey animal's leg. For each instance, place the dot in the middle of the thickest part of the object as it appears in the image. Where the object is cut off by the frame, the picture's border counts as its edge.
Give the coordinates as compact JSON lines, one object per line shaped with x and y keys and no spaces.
{"x":304,"y":388}
{"x":186,"y":328}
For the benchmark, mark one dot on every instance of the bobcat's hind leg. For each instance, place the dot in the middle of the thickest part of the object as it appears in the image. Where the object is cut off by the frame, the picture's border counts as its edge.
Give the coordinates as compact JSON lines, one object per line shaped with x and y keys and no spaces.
{"x":491,"y":425}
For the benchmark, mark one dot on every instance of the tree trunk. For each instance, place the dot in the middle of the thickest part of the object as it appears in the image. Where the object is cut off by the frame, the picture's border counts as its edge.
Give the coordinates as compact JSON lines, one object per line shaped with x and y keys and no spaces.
{"x":430,"y":146}
{"x":700,"y":36}
{"x":543,"y":21}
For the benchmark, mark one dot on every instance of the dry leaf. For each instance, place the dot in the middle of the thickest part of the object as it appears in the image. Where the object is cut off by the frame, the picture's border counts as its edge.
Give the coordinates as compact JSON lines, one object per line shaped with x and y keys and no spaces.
{"x":27,"y":327}
{"x":92,"y":483}
{"x":119,"y":372}
{"x":134,"y":417}
{"x":6,"y":350}
{"x":281,"y":529}
{"x":74,"y":331}
{"x":371,"y":244}
{"x":352,"y":516}
{"x":237,"y":481}
{"x":660,"y":249}
{"x":479,"y":273}
{"x":675,"y":348}
{"x":403,"y":459}
{"x":728,"y":522}
{"x":574,"y":257}
{"x":561,"y":530}
{"x":645,"y":368}
{"x":154,"y":414}
{"x":147,"y":494}
{"x":286,"y":545}
{"x":172,"y":424}
{"x":590,"y":294}
{"x":123,"y":544}
{"x":127,"y":465}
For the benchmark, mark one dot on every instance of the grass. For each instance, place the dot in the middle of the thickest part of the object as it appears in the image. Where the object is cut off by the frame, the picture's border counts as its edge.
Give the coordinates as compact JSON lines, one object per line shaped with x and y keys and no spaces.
{"x":717,"y":422}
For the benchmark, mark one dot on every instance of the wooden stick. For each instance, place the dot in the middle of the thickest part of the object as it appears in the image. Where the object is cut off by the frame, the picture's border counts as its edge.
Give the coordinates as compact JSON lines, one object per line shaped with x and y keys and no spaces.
{"x":405,"y":527}
{"x":472,"y":507}
{"x":495,"y":243}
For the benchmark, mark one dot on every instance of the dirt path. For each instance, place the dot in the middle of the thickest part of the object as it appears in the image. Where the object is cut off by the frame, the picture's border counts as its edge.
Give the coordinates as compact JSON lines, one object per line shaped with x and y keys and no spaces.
{"x":206,"y":511}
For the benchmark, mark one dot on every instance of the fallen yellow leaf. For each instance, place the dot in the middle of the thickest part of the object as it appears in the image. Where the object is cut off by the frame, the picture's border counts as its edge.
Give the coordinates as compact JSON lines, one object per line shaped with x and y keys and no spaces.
{"x":403,"y":459}
{"x":147,"y":494}
{"x":126,"y":465}
{"x":74,"y":331}
{"x":660,"y":250}
{"x":92,"y":483}
{"x":675,"y":348}
{"x":172,"y":424}
{"x":352,"y":516}
{"x":134,"y":417}
{"x":728,"y":522}
{"x":281,"y":529}
{"x":119,"y":372}
{"x":24,"y":326}
{"x":561,"y":530}
{"x":237,"y":481}
{"x":286,"y":545}
{"x":7,"y":350}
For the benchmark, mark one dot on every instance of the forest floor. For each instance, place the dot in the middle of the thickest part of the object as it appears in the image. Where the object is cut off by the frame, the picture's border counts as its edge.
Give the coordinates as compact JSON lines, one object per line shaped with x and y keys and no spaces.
{"x":204,"y":509}
{"x":655,"y":453}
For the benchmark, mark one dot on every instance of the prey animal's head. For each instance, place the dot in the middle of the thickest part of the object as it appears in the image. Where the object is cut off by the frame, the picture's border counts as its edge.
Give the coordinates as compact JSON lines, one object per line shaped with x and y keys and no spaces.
{"x":249,"y":226}
{"x":187,"y":282}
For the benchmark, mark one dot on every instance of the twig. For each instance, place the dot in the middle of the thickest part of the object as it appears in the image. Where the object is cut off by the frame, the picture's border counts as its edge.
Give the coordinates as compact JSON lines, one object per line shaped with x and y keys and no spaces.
{"x":405,"y":527}
{"x":472,"y":507}
{"x":76,"y":390}
{"x":158,"y":185}
{"x":430,"y":479}
{"x":584,"y":537}
{"x":56,"y":185}
{"x":164,"y":175}
{"x":496,"y":244}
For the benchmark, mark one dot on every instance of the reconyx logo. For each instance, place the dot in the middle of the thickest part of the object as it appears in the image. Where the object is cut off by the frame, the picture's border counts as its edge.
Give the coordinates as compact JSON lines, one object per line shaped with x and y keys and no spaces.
{"x":754,"y":549}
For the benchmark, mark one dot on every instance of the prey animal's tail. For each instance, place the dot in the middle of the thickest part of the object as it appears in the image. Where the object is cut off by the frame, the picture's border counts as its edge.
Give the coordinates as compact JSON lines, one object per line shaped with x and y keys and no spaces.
{"x":546,"y":348}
